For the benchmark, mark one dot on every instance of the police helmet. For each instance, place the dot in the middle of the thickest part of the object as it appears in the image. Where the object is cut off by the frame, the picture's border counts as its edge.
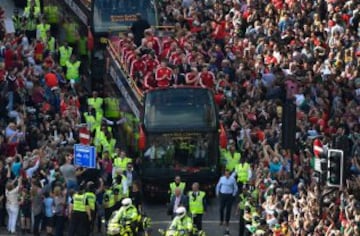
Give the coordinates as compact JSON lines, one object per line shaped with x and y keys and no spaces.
{"x":126,"y":202}
{"x":181,"y":212}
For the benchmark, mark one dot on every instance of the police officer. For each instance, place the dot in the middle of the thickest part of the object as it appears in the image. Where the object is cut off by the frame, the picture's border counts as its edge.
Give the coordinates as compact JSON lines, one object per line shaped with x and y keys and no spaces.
{"x":41,"y":30}
{"x":65,"y":52}
{"x":96,"y":102}
{"x":91,"y":198}
{"x":121,"y":160}
{"x":176,"y":184}
{"x":182,"y":222}
{"x":127,"y":215}
{"x":80,"y":213}
{"x":243,"y":173}
{"x":120,"y":190}
{"x":241,"y":211}
{"x":17,"y":19}
{"x":197,"y":205}
{"x":51,"y":11}
{"x":50,"y":43}
{"x":108,"y":202}
{"x":73,"y":69}
{"x":231,"y":156}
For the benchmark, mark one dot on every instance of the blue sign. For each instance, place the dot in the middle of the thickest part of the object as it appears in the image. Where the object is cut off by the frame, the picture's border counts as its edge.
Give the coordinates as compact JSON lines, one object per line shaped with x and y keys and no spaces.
{"x":85,"y":156}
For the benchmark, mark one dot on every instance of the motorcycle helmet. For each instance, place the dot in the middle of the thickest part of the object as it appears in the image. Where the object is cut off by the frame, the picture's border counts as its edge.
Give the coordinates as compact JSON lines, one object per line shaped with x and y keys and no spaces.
{"x":180,"y":212}
{"x":126,"y":202}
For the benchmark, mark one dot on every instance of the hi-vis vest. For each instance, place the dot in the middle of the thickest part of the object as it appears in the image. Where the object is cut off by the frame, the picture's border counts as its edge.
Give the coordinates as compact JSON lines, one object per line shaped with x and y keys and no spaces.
{"x":51,"y":44}
{"x":92,"y":122}
{"x":65,"y":54}
{"x":109,"y":193}
{"x":196,"y":205}
{"x":173,"y":186}
{"x":108,"y":145}
{"x":17,"y":22}
{"x":52,"y":13}
{"x":96,"y":103}
{"x":242,"y":172}
{"x":121,"y":163}
{"x":119,"y":188}
{"x":71,"y":30}
{"x":79,"y":202}
{"x":232,"y":161}
{"x":72,"y":71}
{"x":41,"y":31}
{"x":37,"y":3}
{"x":27,"y":11}
{"x":112,"y":108}
{"x":91,"y":197}
{"x":30,"y":24}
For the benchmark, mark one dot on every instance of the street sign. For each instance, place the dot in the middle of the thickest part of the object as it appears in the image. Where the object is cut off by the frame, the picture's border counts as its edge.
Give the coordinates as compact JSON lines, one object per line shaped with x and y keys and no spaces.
{"x":84,"y":135}
{"x":85,"y":156}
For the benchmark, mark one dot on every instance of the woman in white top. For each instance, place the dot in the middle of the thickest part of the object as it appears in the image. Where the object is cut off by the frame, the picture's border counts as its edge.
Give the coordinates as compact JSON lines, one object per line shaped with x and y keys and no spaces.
{"x":12,"y":204}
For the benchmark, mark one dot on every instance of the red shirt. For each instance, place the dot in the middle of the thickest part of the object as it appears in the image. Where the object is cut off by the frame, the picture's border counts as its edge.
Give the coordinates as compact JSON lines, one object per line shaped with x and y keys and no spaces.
{"x":138,"y":65}
{"x":175,"y":59}
{"x":151,"y":65}
{"x":149,"y":81}
{"x":155,"y":44}
{"x":207,"y":79}
{"x":192,"y":78}
{"x":51,"y":80}
{"x":163,"y":76}
{"x":9,"y":58}
{"x":39,"y":48}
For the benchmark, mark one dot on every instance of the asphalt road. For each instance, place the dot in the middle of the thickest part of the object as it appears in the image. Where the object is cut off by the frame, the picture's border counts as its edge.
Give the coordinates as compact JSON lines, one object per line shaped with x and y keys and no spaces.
{"x":160,"y":220}
{"x":210,"y":219}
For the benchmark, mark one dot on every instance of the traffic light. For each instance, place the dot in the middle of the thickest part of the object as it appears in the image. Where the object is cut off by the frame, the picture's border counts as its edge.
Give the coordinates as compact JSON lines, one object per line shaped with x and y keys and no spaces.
{"x":335,"y":168}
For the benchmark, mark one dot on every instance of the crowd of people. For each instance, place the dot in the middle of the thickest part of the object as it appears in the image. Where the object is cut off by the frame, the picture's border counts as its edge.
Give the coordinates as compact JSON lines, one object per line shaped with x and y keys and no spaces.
{"x":253,"y":54}
{"x":44,"y":103}
{"x":247,"y":52}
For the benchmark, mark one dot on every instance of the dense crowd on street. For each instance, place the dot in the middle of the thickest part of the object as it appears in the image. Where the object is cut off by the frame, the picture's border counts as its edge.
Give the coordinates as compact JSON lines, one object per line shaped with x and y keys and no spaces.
{"x":247,"y":52}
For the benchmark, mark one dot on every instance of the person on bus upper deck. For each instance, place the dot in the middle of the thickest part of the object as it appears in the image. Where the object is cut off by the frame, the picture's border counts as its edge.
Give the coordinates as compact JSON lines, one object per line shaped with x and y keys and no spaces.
{"x":163,"y":74}
{"x":206,"y":78}
{"x":151,"y":62}
{"x":150,"y":37}
{"x":149,"y":81}
{"x":192,"y":77}
{"x":138,"y":28}
{"x":137,"y":67}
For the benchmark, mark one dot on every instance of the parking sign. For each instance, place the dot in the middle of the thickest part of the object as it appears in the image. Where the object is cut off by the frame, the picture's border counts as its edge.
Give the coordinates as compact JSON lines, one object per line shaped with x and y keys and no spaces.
{"x":85,"y":156}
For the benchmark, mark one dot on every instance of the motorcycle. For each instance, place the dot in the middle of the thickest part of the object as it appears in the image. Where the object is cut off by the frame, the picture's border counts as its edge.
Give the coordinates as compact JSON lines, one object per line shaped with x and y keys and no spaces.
{"x":128,"y":227}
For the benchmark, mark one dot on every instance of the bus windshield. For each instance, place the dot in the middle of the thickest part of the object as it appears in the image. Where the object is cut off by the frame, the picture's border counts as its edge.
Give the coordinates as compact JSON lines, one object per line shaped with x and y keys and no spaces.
{"x":179,"y":109}
{"x":181,"y":150}
{"x":118,"y":15}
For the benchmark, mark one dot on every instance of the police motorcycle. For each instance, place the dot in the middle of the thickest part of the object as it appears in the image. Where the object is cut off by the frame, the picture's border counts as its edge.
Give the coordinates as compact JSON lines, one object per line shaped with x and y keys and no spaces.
{"x":173,"y":231}
{"x":127,"y":227}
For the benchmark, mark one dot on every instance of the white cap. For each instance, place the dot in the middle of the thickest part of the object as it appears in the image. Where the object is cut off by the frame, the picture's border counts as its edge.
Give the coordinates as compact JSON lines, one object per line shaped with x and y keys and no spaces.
{"x":126,"y":202}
